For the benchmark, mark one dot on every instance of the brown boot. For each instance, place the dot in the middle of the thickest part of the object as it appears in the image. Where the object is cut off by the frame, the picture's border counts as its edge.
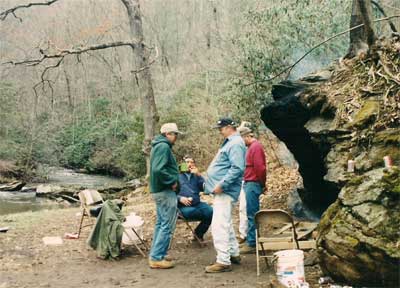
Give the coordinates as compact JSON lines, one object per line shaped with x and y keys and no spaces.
{"x":169,"y":258}
{"x":162,"y":264}
{"x":235,"y":259}
{"x":241,"y":240}
{"x":218,"y":268}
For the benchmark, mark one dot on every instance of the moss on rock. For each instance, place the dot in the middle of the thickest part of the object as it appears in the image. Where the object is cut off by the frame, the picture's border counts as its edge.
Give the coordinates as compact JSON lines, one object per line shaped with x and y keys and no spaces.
{"x":390,"y":136}
{"x":366,"y":114}
{"x":391,"y":180}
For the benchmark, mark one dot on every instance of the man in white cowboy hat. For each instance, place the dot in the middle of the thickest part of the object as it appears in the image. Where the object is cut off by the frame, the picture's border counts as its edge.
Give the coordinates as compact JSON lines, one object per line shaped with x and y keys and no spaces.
{"x":164,"y":178}
{"x":243,"y":223}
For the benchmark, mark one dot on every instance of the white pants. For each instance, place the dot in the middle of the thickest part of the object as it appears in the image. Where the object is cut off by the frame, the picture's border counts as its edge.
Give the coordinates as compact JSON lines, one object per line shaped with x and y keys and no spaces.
{"x":225,"y":242}
{"x":243,"y":223}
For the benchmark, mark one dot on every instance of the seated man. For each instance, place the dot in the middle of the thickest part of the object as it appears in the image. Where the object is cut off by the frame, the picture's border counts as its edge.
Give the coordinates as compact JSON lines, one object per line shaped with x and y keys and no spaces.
{"x":191,"y":183}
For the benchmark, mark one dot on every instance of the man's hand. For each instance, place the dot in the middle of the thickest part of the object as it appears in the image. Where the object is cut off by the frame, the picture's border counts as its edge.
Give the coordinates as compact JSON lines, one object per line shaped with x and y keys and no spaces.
{"x":185,"y":201}
{"x":195,"y":171}
{"x":218,"y":189}
{"x":174,"y":186}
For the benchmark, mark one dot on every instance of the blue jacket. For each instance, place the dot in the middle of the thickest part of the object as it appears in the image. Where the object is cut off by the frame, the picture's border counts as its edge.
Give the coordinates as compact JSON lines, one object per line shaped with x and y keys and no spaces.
{"x":190,"y":186}
{"x":228,"y":166}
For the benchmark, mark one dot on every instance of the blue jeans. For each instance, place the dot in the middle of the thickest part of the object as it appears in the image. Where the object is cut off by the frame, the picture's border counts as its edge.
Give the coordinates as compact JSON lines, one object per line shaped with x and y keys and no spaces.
{"x":201,"y":212}
{"x":253,"y":191}
{"x":166,"y":205}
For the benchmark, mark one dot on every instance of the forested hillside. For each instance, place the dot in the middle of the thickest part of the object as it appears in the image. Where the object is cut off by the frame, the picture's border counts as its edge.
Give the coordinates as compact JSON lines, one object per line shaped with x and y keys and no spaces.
{"x":211,"y":59}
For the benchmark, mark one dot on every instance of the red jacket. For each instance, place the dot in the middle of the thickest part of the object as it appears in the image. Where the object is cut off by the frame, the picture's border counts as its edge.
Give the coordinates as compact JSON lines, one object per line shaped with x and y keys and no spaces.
{"x":256,"y":167}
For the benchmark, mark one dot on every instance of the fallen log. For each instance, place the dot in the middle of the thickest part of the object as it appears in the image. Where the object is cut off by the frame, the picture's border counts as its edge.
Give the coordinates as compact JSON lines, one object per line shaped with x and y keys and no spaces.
{"x":13,"y":186}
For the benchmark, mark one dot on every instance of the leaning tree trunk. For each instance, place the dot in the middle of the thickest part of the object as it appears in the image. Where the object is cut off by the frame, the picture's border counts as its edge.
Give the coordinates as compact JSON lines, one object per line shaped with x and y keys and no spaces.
{"x":143,"y":78}
{"x":361,"y":39}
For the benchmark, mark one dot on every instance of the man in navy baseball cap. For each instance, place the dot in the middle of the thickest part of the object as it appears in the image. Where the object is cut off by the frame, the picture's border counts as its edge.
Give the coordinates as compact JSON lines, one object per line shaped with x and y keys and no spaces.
{"x":222,"y":122}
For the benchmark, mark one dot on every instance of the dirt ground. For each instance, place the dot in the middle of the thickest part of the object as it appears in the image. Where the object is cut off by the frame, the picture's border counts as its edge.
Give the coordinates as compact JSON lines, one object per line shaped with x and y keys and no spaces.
{"x":26,"y":262}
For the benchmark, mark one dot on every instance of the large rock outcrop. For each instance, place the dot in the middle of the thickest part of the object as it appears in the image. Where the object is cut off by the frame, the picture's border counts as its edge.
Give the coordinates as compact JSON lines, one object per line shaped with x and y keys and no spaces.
{"x":359,"y":239}
{"x":350,"y":112}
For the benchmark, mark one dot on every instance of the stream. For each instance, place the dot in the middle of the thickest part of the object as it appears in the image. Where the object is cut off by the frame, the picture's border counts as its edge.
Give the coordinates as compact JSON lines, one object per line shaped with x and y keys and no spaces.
{"x":16,"y":202}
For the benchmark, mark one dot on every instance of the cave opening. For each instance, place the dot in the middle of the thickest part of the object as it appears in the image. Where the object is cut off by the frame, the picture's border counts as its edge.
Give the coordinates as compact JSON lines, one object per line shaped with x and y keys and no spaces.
{"x":286,"y":117}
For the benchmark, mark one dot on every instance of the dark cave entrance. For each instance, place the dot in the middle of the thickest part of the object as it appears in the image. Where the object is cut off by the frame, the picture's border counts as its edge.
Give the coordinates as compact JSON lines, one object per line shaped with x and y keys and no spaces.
{"x":286,"y":118}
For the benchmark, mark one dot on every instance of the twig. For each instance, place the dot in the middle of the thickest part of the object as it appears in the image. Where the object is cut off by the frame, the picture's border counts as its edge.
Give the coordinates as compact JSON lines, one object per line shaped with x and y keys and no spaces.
{"x":391,"y":7}
{"x":4,"y":14}
{"x":66,"y":197}
{"x":148,"y":64}
{"x":289,"y":68}
{"x":379,"y":7}
{"x":62,"y":53}
{"x":387,"y":70}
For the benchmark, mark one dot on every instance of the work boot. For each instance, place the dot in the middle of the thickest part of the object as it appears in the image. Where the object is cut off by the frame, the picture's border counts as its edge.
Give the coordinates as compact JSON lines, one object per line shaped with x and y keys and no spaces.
{"x":246,"y":249}
{"x":236,"y":259}
{"x":218,"y":268}
{"x":162,"y":264}
{"x":241,"y":240}
{"x":169,"y":258}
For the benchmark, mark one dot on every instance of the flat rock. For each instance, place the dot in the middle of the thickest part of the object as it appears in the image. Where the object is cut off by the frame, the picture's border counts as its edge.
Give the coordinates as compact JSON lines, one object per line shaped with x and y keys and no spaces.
{"x":47,"y":189}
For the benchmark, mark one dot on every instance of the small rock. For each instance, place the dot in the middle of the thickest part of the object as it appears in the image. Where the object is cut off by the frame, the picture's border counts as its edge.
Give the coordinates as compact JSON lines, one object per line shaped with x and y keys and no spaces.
{"x":311,"y":258}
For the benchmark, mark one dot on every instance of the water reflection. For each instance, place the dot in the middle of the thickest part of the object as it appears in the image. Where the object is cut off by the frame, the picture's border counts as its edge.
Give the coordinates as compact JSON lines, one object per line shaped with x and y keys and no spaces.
{"x":15,"y":202}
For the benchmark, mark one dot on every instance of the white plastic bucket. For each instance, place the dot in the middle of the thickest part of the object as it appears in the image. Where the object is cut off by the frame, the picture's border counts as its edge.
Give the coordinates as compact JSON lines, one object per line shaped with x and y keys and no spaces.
{"x":136,"y":222}
{"x":290,"y":268}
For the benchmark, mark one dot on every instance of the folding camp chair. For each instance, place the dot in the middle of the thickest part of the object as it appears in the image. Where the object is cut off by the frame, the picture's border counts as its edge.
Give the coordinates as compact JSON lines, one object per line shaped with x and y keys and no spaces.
{"x":133,"y":240}
{"x":181,"y":219}
{"x":89,"y":198}
{"x":272,"y":233}
{"x":91,"y":202}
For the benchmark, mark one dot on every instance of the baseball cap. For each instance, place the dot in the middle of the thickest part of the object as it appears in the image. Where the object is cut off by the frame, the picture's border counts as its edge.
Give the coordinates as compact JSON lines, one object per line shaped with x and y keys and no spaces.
{"x":170,"y":128}
{"x":222,"y":122}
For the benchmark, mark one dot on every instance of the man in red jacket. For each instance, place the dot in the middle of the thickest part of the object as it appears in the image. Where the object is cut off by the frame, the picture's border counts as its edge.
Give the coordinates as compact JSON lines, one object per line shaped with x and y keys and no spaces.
{"x":254,"y":184}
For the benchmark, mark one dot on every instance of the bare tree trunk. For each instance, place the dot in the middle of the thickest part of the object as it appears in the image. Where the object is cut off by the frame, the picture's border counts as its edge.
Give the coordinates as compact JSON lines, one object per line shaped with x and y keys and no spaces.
{"x":363,"y":38}
{"x":149,"y":109}
{"x":366,"y":14}
{"x":69,"y":93}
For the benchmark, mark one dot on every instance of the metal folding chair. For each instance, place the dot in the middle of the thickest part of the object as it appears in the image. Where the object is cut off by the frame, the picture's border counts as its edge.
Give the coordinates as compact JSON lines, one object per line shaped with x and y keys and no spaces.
{"x":272,"y":233}
{"x":91,"y":199}
{"x":180,"y":218}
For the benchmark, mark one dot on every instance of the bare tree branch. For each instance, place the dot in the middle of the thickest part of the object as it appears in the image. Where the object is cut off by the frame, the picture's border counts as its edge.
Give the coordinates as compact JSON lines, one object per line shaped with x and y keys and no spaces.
{"x":62,"y":53}
{"x":4,"y":14}
{"x":379,"y":7}
{"x":73,"y":51}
